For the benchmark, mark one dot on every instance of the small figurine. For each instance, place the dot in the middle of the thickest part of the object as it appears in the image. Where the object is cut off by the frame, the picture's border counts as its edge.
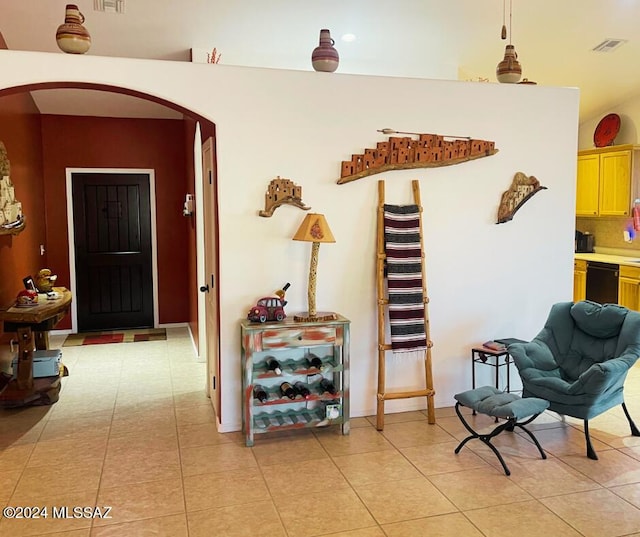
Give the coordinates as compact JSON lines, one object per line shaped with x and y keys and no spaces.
{"x":270,"y":308}
{"x":26,"y":298}
{"x":45,"y":280}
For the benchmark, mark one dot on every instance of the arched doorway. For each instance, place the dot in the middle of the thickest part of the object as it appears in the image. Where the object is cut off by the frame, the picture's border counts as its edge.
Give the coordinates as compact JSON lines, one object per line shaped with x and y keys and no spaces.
{"x":53,"y":199}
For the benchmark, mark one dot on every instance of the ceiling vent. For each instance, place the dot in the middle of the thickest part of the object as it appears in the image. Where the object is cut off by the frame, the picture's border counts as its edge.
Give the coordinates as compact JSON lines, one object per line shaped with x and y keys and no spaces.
{"x":109,"y":6}
{"x":609,"y":45}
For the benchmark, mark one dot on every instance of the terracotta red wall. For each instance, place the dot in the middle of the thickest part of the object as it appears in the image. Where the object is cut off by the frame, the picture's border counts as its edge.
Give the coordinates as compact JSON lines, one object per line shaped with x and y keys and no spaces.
{"x":20,"y":133}
{"x":91,"y":142}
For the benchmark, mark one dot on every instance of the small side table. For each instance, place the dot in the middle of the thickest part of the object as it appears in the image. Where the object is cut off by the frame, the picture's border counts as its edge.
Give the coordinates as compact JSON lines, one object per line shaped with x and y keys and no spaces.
{"x":493,"y":358}
{"x":484,"y":355}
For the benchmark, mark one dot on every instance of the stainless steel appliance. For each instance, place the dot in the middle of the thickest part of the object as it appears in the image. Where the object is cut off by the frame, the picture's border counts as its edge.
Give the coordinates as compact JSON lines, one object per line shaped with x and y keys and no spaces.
{"x":602,"y":282}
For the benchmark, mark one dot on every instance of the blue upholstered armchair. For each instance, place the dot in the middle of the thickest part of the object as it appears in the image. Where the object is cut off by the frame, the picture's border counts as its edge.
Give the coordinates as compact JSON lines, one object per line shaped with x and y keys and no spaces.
{"x":580,"y":360}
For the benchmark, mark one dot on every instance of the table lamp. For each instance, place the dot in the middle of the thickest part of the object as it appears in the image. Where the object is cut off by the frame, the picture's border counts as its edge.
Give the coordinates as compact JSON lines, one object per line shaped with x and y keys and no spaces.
{"x":314,"y":229}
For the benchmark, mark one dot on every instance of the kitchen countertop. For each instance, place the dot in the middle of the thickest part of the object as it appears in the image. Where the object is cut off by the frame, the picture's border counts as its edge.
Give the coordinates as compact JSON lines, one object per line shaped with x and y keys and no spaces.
{"x":616,"y":257}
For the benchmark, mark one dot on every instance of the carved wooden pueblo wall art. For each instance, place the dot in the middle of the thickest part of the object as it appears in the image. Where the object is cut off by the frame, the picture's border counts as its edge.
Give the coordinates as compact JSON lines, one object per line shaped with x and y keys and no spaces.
{"x":402,"y":153}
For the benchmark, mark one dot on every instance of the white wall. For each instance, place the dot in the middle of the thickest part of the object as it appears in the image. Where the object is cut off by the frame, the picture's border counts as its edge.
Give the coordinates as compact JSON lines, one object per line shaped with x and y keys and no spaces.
{"x":629,"y":112}
{"x":485,"y":280}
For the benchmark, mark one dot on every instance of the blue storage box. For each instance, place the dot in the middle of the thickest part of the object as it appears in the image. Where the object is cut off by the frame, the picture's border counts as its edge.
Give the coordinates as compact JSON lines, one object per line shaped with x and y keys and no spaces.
{"x":45,"y":363}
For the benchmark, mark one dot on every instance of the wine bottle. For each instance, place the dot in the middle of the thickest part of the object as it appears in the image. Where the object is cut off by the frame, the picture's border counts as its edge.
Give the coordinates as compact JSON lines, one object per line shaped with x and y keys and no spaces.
{"x":327,"y":386}
{"x":260,"y":393}
{"x":287,"y":390}
{"x":280,"y":293}
{"x":273,"y":365}
{"x":302,"y":389}
{"x":314,"y":361}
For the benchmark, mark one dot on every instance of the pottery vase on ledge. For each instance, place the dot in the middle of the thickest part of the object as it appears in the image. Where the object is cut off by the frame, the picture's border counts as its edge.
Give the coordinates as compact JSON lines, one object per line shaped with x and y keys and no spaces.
{"x":71,"y":36}
{"x":325,"y":56}
{"x":509,"y":69}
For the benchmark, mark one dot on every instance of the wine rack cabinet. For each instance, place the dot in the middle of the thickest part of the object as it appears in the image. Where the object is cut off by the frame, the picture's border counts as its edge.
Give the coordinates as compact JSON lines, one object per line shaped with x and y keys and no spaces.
{"x":294,"y":345}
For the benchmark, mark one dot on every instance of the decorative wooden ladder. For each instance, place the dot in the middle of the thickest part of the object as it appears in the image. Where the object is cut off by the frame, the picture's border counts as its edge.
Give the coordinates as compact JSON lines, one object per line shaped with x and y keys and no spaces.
{"x":383,"y":303}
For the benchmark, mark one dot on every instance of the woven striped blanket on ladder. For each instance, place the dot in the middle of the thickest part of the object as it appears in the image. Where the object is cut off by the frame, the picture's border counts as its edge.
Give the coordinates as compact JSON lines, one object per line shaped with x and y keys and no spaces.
{"x":404,"y":277}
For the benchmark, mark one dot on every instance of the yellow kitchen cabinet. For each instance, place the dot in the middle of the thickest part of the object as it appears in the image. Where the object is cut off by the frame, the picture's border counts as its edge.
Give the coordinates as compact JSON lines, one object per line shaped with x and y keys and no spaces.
{"x":615,"y":183}
{"x":579,"y":280}
{"x":606,"y":181}
{"x":629,"y":287}
{"x":588,"y":185}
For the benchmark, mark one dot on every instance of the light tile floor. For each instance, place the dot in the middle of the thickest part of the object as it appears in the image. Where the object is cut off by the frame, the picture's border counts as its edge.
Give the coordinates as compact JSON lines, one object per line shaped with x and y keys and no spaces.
{"x":134,"y":430}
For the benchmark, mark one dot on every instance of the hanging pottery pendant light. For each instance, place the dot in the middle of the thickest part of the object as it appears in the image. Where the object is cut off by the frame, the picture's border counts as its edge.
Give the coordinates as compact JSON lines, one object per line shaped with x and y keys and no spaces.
{"x":509,"y":70}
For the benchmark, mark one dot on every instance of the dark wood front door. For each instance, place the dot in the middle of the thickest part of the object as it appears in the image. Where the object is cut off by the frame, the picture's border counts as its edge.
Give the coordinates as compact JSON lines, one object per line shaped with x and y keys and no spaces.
{"x":112,"y":233}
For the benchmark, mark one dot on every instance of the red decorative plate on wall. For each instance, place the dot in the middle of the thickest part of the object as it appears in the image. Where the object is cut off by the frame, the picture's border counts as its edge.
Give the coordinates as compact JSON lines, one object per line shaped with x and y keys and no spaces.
{"x":607,"y":130}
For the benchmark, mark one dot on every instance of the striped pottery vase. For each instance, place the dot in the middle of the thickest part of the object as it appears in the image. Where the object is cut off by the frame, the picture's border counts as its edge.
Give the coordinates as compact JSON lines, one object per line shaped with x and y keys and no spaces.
{"x":325,"y":56}
{"x":71,"y":36}
{"x":509,"y":69}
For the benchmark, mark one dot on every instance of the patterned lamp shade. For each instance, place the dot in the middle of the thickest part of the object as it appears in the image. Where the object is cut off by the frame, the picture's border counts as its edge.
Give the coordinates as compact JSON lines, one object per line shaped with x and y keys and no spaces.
{"x":314,"y":228}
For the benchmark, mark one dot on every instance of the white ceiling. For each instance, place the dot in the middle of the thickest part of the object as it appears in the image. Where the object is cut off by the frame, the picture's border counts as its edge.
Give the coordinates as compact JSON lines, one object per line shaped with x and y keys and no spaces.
{"x":457,"y":39}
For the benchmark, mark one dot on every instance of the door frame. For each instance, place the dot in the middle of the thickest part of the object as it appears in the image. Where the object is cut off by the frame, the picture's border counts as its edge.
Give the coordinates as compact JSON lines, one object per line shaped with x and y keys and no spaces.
{"x":71,"y":233}
{"x":198,"y":174}
{"x":212,"y":352}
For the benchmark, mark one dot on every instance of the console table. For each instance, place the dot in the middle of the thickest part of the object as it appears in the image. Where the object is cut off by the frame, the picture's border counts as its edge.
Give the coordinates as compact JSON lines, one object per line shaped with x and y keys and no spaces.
{"x":41,"y":318}
{"x":32,"y":325}
{"x":312,"y":354}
